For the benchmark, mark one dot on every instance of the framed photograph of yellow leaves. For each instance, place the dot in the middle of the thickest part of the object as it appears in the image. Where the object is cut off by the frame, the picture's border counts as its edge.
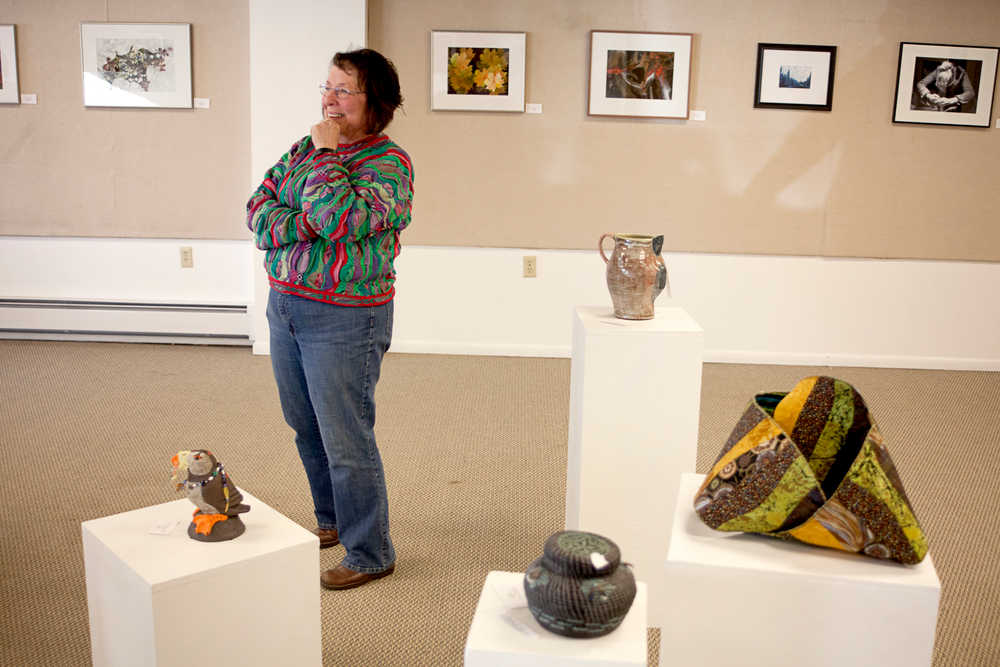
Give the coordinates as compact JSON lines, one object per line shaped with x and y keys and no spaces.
{"x":477,"y":71}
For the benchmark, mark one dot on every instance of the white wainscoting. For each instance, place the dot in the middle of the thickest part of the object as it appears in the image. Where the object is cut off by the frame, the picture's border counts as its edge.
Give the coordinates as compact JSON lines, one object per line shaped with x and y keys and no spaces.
{"x":754,"y":309}
{"x":125,"y":290}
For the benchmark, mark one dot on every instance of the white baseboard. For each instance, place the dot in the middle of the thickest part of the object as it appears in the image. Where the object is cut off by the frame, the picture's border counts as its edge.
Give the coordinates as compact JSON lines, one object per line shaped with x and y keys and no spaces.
{"x":712,"y":356}
{"x":114,"y":337}
{"x":479,"y":349}
{"x":124,"y":321}
{"x":859,"y":360}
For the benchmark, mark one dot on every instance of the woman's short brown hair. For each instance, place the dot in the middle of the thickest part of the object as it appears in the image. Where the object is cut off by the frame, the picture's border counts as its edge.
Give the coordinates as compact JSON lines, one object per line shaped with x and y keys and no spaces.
{"x":378,"y":79}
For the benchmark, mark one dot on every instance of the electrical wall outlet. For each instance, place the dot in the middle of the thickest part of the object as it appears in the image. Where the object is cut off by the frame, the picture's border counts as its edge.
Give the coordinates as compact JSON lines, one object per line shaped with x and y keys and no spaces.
{"x":187,"y":257}
{"x":530,"y":266}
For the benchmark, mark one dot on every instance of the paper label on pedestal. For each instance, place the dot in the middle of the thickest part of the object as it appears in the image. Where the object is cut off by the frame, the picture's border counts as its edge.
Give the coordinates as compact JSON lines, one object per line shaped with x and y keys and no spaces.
{"x":510,"y":596}
{"x":521,"y":620}
{"x":163,"y":527}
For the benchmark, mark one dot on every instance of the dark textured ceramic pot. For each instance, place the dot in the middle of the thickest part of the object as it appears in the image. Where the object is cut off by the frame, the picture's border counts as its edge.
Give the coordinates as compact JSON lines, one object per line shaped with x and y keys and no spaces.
{"x":578,"y":588}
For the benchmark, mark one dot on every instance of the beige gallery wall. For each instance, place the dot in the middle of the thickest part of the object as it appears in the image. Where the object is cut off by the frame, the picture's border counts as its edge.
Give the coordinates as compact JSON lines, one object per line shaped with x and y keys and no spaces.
{"x":69,"y":170}
{"x":843,"y":183}
{"x":847,"y":182}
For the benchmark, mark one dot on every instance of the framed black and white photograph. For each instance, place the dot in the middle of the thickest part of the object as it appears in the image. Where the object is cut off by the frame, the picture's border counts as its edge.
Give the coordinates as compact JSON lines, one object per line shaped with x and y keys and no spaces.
{"x":136,"y":64}
{"x":794,"y":76}
{"x":945,"y":84}
{"x":8,"y":66}
{"x":639,"y":74}
{"x":477,"y":71}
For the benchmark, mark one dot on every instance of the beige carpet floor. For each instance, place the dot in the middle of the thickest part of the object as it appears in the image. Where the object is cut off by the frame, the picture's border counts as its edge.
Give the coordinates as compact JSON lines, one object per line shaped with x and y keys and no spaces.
{"x":475,"y":456}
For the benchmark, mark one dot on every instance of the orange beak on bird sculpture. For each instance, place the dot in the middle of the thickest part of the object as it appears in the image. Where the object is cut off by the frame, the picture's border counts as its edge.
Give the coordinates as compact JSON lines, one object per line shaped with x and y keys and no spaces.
{"x":180,"y":463}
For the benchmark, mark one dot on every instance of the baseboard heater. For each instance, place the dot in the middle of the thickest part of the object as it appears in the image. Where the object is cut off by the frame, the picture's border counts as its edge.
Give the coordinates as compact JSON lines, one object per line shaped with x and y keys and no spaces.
{"x":125,"y":321}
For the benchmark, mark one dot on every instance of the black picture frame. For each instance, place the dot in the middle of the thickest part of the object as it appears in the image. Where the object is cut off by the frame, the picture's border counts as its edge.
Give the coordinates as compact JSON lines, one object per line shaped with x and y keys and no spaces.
{"x":934,"y":81}
{"x":795,"y":76}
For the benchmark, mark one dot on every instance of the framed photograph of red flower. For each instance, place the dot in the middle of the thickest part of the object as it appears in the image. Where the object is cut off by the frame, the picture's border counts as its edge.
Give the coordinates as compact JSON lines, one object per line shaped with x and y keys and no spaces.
{"x":477,"y":71}
{"x":640,"y":74}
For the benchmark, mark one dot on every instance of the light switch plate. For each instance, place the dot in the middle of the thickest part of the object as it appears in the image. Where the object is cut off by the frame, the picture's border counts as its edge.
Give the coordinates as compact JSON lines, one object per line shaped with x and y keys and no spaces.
{"x":29,"y":98}
{"x":697,"y":114}
{"x":532,"y":108}
{"x":202,"y":103}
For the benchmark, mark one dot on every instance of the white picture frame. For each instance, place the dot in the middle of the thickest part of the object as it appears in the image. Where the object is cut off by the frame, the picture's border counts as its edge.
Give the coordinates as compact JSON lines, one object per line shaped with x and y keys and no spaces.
{"x":477,"y":71}
{"x":142,"y":65}
{"x":977,"y":64}
{"x":640,"y":74}
{"x":9,"y":92}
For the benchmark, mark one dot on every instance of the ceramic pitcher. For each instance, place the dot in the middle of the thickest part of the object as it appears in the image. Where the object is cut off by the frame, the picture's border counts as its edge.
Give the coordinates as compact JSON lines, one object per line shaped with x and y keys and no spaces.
{"x":636,"y":274}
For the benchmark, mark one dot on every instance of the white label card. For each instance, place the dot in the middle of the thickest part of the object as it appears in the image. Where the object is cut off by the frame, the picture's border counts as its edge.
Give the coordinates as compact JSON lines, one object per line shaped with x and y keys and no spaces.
{"x":163,"y":527}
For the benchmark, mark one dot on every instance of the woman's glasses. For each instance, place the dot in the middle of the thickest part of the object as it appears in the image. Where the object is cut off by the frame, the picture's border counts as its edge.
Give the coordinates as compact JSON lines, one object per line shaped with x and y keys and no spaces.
{"x":338,"y":92}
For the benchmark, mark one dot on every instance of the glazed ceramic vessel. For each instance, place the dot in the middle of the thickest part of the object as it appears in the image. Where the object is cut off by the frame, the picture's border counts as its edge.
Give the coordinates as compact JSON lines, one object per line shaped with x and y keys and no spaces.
{"x":636,"y":274}
{"x":579,"y":587}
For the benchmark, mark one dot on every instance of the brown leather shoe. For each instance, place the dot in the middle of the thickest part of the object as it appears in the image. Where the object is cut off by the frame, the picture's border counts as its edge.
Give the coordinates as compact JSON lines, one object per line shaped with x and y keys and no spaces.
{"x":341,"y":577}
{"x":327,"y":537}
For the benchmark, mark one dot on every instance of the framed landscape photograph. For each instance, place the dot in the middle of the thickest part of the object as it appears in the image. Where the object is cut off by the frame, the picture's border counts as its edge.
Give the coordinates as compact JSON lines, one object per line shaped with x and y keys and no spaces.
{"x":945,"y":84}
{"x":8,"y":66}
{"x":136,"y":64}
{"x":639,"y":74}
{"x":477,"y":71}
{"x":794,"y":76}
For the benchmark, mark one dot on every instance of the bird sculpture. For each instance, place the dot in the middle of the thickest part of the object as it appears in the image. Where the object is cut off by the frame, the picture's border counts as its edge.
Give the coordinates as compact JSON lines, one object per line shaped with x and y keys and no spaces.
{"x":219,"y":503}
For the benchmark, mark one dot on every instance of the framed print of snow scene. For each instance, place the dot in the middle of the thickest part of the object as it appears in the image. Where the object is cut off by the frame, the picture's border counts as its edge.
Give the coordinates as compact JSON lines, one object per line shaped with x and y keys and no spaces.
{"x":795,"y":76}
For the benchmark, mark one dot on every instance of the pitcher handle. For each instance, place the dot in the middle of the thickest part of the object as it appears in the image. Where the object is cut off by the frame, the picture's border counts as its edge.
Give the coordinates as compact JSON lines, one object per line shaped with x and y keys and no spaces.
{"x":600,"y":246}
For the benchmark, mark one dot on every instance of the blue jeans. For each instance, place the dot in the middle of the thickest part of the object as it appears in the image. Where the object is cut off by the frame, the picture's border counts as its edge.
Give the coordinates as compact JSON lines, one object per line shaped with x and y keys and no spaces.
{"x":326,"y":361}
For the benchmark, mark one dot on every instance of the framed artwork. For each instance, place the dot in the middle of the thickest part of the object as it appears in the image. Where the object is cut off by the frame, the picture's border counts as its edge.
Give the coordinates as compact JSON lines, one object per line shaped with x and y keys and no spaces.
{"x":8,"y":66}
{"x":639,"y":74}
{"x":136,"y":64}
{"x":794,"y":76}
{"x":477,"y":71}
{"x":945,"y":84}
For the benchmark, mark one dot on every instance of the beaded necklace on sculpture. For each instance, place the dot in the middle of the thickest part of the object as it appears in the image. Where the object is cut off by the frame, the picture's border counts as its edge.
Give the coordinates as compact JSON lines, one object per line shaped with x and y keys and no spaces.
{"x":218,"y":470}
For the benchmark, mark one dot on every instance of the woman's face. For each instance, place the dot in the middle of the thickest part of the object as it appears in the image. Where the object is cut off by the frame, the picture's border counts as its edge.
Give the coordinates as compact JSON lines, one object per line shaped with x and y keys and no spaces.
{"x":349,"y":111}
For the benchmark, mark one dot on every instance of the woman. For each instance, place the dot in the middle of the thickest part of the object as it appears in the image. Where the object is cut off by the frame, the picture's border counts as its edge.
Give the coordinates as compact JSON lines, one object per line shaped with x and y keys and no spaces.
{"x":329,"y":214}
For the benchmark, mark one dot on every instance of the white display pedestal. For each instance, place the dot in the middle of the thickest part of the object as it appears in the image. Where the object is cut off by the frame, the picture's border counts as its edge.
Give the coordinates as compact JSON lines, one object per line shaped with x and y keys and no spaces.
{"x":635,"y":396}
{"x":504,"y":633}
{"x":169,"y":600}
{"x":741,"y":599}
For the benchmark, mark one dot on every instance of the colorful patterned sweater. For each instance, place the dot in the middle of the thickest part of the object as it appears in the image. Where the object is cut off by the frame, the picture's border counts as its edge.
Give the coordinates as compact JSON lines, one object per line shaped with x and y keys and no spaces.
{"x":330,"y":220}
